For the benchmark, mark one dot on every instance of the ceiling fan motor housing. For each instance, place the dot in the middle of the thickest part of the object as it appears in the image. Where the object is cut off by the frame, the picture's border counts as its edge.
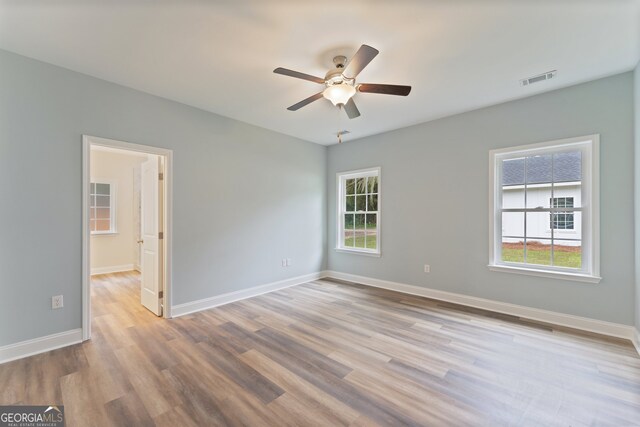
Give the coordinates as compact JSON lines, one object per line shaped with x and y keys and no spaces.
{"x":335,"y":77}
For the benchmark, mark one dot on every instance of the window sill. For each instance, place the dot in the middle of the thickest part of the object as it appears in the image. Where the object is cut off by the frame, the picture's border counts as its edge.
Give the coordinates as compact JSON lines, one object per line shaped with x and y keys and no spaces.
{"x":576,"y":277}
{"x":357,"y":252}
{"x":104,"y":233}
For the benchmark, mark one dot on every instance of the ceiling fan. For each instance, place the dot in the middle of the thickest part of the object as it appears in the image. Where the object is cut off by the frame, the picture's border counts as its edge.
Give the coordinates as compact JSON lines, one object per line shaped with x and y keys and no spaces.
{"x":340,"y":82}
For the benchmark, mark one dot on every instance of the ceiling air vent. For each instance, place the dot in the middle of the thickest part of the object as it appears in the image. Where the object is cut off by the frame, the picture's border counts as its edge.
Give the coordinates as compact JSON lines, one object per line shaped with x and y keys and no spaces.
{"x":539,"y":78}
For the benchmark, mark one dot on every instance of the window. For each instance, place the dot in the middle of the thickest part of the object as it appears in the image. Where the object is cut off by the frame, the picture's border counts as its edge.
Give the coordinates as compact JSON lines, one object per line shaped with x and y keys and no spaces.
{"x":359,"y":211}
{"x":561,"y":220}
{"x":544,"y":209}
{"x":102,"y":208}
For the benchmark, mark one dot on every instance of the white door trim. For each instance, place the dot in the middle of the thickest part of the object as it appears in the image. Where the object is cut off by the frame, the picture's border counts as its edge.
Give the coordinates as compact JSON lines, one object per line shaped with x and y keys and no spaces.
{"x":94,"y":141}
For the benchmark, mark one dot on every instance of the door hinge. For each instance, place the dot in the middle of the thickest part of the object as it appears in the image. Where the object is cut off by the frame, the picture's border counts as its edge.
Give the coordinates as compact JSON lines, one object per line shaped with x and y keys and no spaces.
{"x":160,"y":235}
{"x":161,"y":294}
{"x":160,"y":176}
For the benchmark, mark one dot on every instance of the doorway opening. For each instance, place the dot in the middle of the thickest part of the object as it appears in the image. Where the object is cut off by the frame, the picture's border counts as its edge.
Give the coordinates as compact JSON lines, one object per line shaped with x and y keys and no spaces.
{"x":126,"y":220}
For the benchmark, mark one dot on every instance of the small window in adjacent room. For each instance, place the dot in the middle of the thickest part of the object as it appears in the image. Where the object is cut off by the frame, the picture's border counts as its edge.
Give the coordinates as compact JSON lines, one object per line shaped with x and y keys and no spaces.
{"x":359,"y":211}
{"x":102,"y":208}
{"x":544,"y":209}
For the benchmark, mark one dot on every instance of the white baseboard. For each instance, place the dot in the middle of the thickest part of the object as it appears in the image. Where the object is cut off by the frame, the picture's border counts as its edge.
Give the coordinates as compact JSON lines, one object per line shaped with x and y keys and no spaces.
{"x":560,"y":319}
{"x":636,"y":339}
{"x":137,"y":268}
{"x":206,"y":303}
{"x":112,"y":269}
{"x":39,"y":345}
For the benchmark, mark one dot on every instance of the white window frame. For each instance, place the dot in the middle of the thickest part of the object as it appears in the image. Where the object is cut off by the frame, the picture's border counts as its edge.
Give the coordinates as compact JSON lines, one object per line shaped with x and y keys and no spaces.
{"x":341,"y":178}
{"x":590,"y":194}
{"x":112,"y":208}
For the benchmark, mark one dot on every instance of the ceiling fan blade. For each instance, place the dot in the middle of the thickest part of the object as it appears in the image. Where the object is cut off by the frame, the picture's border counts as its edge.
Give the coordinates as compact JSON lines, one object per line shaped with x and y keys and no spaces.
{"x":351,"y":109}
{"x":384,"y":89}
{"x":298,"y":75}
{"x":361,"y":59}
{"x":306,"y":101}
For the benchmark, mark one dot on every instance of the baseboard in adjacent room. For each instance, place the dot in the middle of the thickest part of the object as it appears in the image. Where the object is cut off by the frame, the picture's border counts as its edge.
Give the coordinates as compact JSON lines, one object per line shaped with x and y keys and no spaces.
{"x":576,"y":322}
{"x":112,"y":269}
{"x":39,"y":345}
{"x":206,"y":303}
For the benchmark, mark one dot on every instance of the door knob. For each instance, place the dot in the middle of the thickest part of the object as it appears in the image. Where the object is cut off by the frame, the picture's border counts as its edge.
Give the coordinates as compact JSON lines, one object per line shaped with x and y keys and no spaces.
{"x":140,"y":241}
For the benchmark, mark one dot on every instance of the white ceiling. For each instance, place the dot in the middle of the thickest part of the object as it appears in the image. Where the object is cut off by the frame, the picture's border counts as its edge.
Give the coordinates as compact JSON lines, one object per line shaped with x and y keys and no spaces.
{"x":219,"y":55}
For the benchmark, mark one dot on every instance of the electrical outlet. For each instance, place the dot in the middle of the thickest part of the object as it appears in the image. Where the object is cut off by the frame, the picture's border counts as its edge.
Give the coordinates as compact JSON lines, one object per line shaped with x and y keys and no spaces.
{"x":57,"y":302}
{"x":289,"y":262}
{"x":284,"y":262}
{"x":427,"y":268}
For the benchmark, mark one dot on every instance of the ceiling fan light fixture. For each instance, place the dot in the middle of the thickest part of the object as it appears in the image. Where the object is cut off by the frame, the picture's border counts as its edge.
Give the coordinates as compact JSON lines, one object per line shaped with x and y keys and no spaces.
{"x":339,"y":94}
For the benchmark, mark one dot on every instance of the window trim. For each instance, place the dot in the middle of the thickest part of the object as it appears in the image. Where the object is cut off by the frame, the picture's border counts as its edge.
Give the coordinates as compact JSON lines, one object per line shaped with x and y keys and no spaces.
{"x":340,"y":178}
{"x":590,"y":196}
{"x":112,"y":208}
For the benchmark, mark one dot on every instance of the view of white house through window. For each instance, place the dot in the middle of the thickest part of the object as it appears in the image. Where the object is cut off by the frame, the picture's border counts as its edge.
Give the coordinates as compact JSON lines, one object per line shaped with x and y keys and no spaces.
{"x":543,"y":207}
{"x":358,"y":217}
{"x":102,"y":215}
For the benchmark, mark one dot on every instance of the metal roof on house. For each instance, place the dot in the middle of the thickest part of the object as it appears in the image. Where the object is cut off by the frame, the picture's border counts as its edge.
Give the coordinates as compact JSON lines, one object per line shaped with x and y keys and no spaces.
{"x":566,"y":167}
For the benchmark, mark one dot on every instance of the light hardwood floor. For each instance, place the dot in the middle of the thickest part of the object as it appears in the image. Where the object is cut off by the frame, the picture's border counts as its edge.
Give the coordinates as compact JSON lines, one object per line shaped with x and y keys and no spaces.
{"x":327,"y":353}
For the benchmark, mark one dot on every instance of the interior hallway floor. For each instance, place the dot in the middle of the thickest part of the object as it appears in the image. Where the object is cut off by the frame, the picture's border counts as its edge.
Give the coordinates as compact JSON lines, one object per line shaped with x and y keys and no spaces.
{"x":326,"y":353}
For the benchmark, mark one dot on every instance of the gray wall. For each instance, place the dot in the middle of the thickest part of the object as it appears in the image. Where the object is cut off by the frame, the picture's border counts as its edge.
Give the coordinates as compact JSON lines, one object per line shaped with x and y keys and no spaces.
{"x":435,"y":192}
{"x":636,"y":92}
{"x":244,"y":198}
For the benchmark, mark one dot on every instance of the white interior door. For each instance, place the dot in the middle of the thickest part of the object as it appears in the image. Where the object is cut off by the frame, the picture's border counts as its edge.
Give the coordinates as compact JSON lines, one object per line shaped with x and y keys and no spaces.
{"x":151,"y":224}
